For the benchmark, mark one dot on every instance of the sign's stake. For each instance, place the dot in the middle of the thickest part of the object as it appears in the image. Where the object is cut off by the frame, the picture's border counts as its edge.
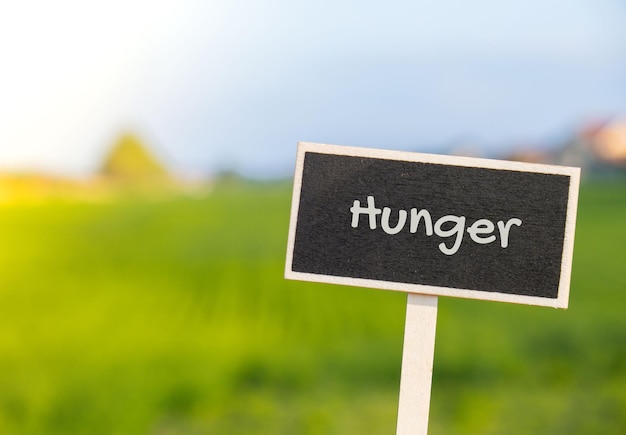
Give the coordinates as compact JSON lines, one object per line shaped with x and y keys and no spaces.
{"x":417,"y":364}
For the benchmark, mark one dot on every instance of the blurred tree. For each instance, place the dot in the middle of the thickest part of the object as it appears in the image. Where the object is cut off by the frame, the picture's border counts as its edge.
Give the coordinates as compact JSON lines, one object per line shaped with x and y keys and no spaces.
{"x":131,"y":161}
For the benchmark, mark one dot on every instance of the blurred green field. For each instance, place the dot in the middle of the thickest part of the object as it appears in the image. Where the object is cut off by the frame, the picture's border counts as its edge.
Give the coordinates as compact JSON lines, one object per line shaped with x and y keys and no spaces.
{"x":171,"y":316}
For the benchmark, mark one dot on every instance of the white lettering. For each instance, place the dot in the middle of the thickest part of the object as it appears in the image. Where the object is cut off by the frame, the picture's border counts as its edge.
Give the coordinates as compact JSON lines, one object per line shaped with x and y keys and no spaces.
{"x":415,"y":221}
{"x":456,"y":229}
{"x":384,"y":222}
{"x":370,"y":210}
{"x":481,"y":231}
{"x":505,"y":228}
{"x":482,"y":226}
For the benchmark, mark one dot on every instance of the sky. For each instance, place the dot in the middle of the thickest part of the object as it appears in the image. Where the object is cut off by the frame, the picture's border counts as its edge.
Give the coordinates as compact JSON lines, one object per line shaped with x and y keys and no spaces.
{"x":214,"y":85}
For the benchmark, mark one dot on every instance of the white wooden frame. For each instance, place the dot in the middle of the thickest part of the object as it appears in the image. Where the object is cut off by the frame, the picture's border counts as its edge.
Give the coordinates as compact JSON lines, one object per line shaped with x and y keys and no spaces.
{"x":568,"y":243}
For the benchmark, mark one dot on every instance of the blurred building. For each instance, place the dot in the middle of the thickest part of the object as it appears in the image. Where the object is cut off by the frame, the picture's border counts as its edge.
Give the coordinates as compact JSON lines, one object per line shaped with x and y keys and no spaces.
{"x":599,"y":148}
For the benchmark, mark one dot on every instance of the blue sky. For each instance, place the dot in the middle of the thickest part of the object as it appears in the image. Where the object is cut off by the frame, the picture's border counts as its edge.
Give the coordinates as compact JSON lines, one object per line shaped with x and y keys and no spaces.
{"x":235,"y":84}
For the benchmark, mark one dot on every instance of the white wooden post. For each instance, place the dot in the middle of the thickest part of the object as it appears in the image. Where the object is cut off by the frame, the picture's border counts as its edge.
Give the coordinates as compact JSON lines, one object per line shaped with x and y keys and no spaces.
{"x":417,"y":364}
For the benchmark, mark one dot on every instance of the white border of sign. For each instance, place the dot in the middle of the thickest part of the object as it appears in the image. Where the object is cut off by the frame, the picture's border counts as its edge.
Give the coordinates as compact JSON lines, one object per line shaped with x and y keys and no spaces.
{"x":568,"y":243}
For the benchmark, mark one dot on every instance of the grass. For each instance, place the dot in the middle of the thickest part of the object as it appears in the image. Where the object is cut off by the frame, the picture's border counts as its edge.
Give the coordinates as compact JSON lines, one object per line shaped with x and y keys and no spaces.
{"x":171,"y":316}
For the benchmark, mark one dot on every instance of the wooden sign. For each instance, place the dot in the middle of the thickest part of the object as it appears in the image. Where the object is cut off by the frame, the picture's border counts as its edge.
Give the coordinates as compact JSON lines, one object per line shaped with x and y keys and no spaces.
{"x":431,"y":226}
{"x":434,"y":225}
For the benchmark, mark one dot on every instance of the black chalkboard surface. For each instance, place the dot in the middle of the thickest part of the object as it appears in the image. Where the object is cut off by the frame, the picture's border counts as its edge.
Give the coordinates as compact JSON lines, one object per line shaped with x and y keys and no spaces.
{"x":437,"y":225}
